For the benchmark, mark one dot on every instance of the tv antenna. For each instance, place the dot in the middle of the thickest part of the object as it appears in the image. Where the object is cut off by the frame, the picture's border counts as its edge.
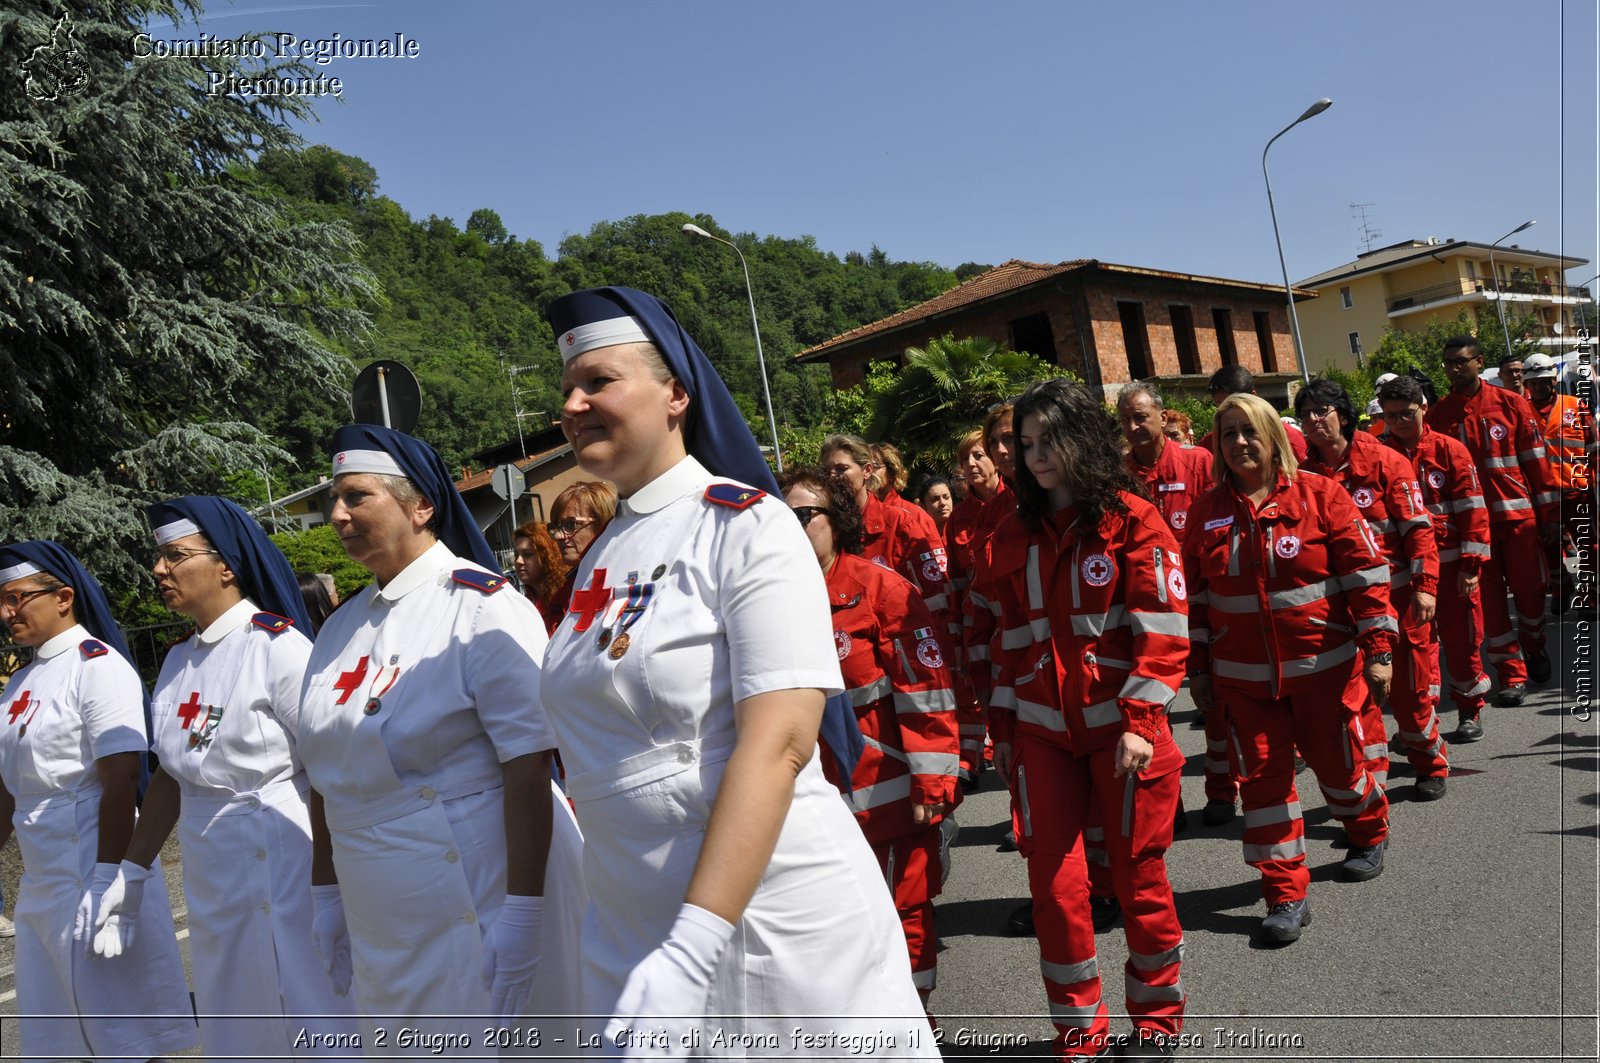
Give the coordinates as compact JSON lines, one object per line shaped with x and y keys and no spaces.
{"x":1369,"y":232}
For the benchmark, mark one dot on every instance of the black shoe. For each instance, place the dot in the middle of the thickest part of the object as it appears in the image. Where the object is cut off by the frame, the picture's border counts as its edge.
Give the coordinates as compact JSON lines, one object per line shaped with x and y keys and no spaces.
{"x":1510,"y":697}
{"x":1365,"y":861}
{"x":1285,"y":920}
{"x":1539,"y":668}
{"x":1180,"y":822}
{"x":1216,"y":813}
{"x":1020,"y":922}
{"x":1104,"y":913}
{"x":1468,"y":729}
{"x":1008,"y":844}
{"x":1430,"y":788}
{"x":1341,"y":840}
{"x":1147,"y":1045}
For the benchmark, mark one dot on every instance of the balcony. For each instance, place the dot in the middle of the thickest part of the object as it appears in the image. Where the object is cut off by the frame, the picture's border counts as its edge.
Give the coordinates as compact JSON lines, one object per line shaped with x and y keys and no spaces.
{"x":1463,"y":290}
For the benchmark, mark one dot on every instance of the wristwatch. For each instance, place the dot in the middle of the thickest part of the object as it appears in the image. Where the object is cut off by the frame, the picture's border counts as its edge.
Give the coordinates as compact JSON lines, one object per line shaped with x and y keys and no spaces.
{"x":1386,"y":657}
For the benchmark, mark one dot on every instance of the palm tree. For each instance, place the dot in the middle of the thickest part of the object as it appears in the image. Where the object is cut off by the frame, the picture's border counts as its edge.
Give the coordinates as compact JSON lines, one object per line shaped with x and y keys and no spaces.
{"x":946,"y":388}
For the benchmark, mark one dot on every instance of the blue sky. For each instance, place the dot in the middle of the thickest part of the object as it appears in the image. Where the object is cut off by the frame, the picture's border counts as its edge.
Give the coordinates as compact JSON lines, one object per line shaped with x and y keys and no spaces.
{"x":953,"y":132}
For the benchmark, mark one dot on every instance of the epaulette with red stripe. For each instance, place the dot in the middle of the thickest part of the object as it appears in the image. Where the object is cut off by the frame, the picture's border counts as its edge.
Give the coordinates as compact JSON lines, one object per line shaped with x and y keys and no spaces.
{"x":272,"y":622}
{"x":93,"y":648}
{"x":478,"y":580}
{"x":734,"y":496}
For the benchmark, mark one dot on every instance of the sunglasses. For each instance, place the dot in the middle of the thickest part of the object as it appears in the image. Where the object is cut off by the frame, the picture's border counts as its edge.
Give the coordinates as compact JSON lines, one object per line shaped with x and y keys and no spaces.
{"x":805,"y":514}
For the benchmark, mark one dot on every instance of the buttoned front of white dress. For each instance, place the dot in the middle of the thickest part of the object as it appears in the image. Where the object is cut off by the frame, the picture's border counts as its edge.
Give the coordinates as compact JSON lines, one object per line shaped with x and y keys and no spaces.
{"x":71,"y":706}
{"x":224,"y":711}
{"x":718,"y":602}
{"x":415,"y":694}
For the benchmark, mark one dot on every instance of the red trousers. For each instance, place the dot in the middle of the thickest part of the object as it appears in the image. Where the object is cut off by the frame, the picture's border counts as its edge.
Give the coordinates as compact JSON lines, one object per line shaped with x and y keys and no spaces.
{"x":1051,"y":799}
{"x":1516,"y":567}
{"x":1414,"y":692}
{"x":1221,"y":782}
{"x":910,"y":865}
{"x":1460,"y":623}
{"x":1326,"y":725}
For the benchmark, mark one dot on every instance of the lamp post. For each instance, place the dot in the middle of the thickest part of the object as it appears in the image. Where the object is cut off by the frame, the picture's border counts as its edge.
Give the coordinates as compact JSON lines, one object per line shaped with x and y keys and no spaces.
{"x":1499,"y":295}
{"x":1294,"y":319}
{"x":691,"y":229}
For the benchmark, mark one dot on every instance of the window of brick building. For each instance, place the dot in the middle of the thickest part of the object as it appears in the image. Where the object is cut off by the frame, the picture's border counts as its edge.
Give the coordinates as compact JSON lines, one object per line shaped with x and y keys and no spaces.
{"x":1222,"y":320}
{"x":1269,"y":356}
{"x":1183,"y":336}
{"x":1135,"y":340}
{"x":1344,"y":297}
{"x":1355,"y":343}
{"x":1034,"y":335}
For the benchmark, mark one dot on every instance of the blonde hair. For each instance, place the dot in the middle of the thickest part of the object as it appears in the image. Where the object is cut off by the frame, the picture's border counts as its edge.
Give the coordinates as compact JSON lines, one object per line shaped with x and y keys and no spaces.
{"x":972,"y":439}
{"x":596,"y":496}
{"x":1264,"y":419}
{"x":893,"y":465}
{"x":854,"y":446}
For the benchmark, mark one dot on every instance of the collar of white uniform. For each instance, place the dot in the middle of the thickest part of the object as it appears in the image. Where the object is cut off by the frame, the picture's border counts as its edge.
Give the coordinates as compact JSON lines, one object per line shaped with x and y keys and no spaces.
{"x":425,"y":569}
{"x":63,"y":642}
{"x":237,"y":616}
{"x":683,"y":478}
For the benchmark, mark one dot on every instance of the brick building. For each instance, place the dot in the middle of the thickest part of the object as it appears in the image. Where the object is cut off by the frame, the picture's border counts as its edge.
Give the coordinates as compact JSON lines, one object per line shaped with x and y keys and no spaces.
{"x":1107,"y":323}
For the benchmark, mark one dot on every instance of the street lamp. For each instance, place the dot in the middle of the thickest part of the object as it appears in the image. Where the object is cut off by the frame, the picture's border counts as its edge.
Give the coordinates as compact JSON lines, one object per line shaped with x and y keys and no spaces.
{"x":1499,"y":296}
{"x":1294,"y":319}
{"x":691,"y":229}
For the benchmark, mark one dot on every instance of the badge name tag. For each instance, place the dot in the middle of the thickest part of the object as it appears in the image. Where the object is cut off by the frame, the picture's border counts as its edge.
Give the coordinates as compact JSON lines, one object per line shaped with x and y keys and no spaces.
{"x":1220,"y":522}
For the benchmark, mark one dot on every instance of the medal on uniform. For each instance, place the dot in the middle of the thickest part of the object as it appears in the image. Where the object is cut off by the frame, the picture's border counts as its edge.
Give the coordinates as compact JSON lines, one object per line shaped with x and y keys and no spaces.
{"x":200,"y":739}
{"x":372,"y":706}
{"x":615,"y":639}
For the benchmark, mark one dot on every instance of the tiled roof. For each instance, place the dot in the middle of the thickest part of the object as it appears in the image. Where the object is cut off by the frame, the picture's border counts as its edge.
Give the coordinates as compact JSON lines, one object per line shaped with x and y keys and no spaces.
{"x":1410,"y":251}
{"x":481,"y":479}
{"x":1003,"y":280}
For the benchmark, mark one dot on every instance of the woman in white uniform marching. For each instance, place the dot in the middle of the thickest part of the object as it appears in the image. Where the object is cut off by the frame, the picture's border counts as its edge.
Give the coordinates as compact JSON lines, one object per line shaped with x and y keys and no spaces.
{"x":421,"y":729}
{"x":71,"y":742}
{"x":226,"y":708}
{"x":733,"y":899}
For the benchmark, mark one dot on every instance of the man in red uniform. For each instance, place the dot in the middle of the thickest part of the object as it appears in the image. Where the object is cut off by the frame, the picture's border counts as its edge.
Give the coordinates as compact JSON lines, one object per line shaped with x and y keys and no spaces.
{"x":1501,"y":432}
{"x":1175,"y":476}
{"x":1448,"y":480}
{"x":1384,"y":488}
{"x":1569,"y":439}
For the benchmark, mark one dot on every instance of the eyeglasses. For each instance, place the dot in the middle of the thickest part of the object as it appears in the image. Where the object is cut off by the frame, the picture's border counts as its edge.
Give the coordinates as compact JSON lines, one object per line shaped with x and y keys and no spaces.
{"x":175,"y":557}
{"x":805,"y":514}
{"x":1318,"y":412}
{"x":566,"y":529}
{"x":1456,"y":363}
{"x":1400,"y":416}
{"x":16,"y":600}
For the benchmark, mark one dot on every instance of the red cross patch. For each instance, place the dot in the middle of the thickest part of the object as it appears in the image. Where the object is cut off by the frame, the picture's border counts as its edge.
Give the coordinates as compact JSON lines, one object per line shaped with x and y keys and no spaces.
{"x":842,"y":643}
{"x":19,"y":706}
{"x":1287,"y":546}
{"x":1098,"y":570}
{"x":1363,"y":497}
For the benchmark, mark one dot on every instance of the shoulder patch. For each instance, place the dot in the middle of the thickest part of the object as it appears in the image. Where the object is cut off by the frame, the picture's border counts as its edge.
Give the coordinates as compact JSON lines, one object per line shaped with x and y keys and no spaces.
{"x":272,"y":622}
{"x":734,"y":496}
{"x":478,"y":579}
{"x":93,"y":648}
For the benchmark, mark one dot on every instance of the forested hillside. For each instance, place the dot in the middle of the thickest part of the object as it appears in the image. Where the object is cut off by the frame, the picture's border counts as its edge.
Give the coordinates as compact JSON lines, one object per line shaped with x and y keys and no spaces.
{"x":459,"y":298}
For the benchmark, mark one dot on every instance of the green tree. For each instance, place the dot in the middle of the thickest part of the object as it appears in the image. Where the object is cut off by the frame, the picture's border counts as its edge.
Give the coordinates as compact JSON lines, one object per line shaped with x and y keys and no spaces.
{"x":1400,"y":350}
{"x":145,"y":286}
{"x":318,"y":550}
{"x":946,"y":388}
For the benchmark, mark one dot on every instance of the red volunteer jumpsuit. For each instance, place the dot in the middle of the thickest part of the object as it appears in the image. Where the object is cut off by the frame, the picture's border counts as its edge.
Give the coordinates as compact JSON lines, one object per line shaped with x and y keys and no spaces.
{"x":1094,"y":636}
{"x":896,"y":676}
{"x":1284,"y":595}
{"x":1502,"y":433}
{"x":1449,"y":482}
{"x":1384,"y":488}
{"x":1179,"y":476}
{"x":1569,"y":440}
{"x":961,"y":538}
{"x":980,"y":614}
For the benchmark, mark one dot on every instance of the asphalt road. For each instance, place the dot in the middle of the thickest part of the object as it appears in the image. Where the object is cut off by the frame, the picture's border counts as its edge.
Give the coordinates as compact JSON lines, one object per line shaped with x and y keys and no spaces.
{"x":1479,"y":941}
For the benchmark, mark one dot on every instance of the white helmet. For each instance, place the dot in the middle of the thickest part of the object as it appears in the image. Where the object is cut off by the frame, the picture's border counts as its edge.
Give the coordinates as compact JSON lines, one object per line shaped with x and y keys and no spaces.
{"x":1539,"y":367}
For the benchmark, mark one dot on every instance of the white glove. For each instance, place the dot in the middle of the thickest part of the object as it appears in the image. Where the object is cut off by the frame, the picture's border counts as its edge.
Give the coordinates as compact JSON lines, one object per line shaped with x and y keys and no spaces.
{"x":331,"y":936}
{"x":669,"y":987}
{"x":511,"y":956}
{"x":89,"y":905}
{"x":119,"y":910}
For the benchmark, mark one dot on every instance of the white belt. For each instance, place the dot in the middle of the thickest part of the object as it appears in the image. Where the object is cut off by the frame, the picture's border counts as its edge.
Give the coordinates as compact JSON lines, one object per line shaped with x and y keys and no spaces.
{"x":652,"y":765}
{"x":208,"y":804}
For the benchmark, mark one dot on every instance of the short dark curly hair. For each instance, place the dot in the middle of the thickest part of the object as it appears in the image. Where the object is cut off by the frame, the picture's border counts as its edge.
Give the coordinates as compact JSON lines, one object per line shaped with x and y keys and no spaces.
{"x":1079,"y":428}
{"x":844,"y":516}
{"x":1325,"y":392}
